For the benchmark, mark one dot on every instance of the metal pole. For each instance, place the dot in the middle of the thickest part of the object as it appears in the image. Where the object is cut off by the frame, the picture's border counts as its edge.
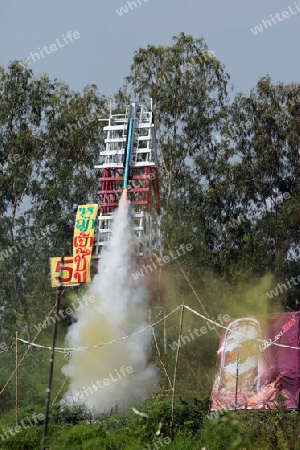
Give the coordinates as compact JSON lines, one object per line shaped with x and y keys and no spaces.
{"x":237,"y":381}
{"x":175,"y":370}
{"x":51,"y":360}
{"x":17,"y":399}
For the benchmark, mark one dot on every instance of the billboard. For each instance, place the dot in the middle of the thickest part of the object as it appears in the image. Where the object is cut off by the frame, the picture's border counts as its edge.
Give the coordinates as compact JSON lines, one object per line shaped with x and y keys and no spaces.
{"x":258,"y":356}
{"x":83,"y":242}
{"x":65,"y":271}
{"x":76,"y":268}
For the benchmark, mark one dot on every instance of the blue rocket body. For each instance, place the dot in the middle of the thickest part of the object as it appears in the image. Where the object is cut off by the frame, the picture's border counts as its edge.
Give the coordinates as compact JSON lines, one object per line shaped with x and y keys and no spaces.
{"x":127,"y":152}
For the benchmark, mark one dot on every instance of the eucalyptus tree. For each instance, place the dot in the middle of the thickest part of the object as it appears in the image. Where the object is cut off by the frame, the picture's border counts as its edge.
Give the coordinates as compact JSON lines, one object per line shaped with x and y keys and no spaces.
{"x":256,"y":189}
{"x":22,"y":100}
{"x":50,"y":138}
{"x":188,"y":88}
{"x":229,"y":172}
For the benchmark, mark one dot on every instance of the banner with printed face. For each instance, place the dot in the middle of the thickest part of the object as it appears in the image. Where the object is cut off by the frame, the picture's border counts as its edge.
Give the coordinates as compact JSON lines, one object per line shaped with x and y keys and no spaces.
{"x":251,"y":368}
{"x":83,"y":242}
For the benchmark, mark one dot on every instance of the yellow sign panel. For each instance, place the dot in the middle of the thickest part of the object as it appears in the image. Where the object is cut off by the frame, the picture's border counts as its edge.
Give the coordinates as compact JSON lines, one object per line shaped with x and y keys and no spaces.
{"x":66,"y":271}
{"x":83,"y":242}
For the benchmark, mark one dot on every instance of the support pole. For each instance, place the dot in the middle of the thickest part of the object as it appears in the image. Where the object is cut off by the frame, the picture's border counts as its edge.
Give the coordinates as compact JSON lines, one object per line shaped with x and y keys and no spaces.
{"x":237,"y":381}
{"x":175,"y":371}
{"x":51,"y":360}
{"x":162,"y":287}
{"x":17,"y":394}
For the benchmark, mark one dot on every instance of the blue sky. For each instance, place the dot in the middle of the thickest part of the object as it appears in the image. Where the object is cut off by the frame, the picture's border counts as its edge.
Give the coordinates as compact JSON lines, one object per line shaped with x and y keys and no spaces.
{"x":103,"y":53}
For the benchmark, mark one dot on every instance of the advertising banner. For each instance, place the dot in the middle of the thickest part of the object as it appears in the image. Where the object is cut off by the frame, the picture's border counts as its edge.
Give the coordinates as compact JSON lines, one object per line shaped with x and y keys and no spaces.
{"x":83,"y":242}
{"x":251,"y":368}
{"x":66,"y":271}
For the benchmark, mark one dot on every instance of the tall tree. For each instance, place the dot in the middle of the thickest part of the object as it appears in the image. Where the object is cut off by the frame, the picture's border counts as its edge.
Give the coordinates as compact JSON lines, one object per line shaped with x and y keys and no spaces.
{"x":187,"y":85}
{"x":22,"y":100}
{"x":50,"y":138}
{"x":255,"y":189}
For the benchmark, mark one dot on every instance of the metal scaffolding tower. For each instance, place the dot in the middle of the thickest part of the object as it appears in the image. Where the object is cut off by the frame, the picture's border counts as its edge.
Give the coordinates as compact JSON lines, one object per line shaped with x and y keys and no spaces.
{"x":143,"y":193}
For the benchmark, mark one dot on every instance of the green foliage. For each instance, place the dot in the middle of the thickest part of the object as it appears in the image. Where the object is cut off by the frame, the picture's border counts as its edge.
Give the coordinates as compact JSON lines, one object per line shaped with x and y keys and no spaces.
{"x":264,"y":430}
{"x":189,"y":417}
{"x":231,"y":432}
{"x":66,"y":414}
{"x":9,"y":419}
{"x":188,"y":92}
{"x":28,"y":439}
{"x":279,"y":427}
{"x":74,"y":436}
{"x":242,"y":430}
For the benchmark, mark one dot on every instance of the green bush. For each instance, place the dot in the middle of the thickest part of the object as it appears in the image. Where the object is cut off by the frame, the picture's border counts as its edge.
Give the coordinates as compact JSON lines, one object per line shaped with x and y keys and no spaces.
{"x":27,"y":439}
{"x":72,"y":414}
{"x":74,"y":437}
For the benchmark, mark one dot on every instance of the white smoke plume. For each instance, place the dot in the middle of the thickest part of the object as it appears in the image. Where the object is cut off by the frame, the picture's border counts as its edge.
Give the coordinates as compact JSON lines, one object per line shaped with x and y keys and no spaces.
{"x":97,"y":377}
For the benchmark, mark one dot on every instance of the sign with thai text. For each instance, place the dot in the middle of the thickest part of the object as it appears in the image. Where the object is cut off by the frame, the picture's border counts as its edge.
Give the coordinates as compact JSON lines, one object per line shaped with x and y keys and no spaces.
{"x":64,"y":270}
{"x":83,"y":242}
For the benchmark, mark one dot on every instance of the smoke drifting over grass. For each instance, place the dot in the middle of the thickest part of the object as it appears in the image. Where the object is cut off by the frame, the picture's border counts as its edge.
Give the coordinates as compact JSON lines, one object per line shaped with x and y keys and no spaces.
{"x":121,"y":308}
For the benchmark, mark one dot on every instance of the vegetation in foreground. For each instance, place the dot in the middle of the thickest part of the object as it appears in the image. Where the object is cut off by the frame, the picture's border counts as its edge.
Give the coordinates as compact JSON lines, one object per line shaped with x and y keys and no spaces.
{"x":77,"y":428}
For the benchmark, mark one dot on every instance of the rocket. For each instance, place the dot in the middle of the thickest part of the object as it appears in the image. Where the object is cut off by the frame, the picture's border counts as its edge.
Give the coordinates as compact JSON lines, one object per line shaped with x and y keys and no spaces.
{"x":127,"y":152}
